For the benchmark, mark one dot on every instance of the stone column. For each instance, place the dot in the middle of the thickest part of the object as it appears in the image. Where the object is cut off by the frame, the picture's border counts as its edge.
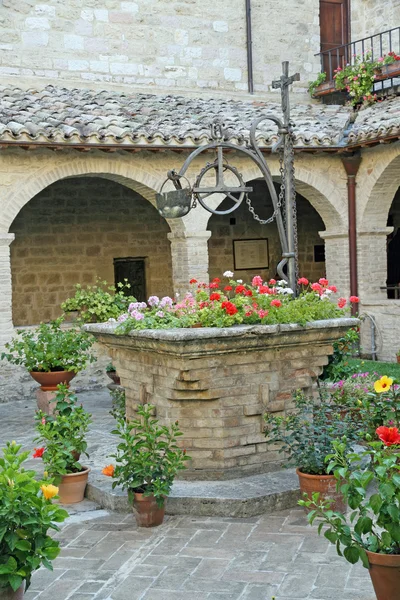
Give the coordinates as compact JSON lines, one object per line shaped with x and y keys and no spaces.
{"x":337,"y":259}
{"x":189,"y":251}
{"x":372,"y":258}
{"x":6,"y":324}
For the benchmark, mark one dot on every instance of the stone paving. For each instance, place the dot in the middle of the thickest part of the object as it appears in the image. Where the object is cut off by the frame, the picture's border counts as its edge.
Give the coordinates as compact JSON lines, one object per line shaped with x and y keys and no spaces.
{"x":106,"y":557}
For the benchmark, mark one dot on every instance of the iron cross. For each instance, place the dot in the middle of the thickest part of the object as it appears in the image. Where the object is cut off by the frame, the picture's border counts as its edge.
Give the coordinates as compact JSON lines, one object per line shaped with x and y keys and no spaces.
{"x":284,"y":82}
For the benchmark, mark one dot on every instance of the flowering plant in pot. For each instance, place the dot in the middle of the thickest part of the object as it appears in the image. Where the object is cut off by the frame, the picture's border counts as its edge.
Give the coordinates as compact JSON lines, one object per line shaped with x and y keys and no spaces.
{"x":218,"y":304}
{"x":147,"y":460}
{"x":380,"y":406}
{"x":112,"y":374}
{"x":306,"y":435}
{"x":51,"y":354}
{"x":26,"y":515}
{"x":62,"y":437}
{"x":99,"y":302}
{"x":371,"y":531}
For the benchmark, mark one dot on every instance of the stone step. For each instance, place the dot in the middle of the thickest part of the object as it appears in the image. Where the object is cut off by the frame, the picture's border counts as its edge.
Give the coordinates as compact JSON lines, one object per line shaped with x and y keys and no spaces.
{"x":242,"y":497}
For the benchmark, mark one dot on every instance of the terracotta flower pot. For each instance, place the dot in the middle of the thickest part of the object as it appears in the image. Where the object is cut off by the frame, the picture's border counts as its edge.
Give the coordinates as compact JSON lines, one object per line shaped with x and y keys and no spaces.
{"x":196,"y":325}
{"x":9,"y":594}
{"x":325,"y":485}
{"x":384,"y":570}
{"x":147,"y":512}
{"x":72,"y":486}
{"x":114,"y":376}
{"x":49,"y":381}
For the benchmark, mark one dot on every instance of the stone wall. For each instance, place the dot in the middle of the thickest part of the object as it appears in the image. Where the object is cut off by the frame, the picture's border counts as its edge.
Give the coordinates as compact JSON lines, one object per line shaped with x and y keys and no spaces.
{"x":369,"y":17}
{"x":224,"y":231}
{"x":70,"y":233}
{"x":156,"y":44}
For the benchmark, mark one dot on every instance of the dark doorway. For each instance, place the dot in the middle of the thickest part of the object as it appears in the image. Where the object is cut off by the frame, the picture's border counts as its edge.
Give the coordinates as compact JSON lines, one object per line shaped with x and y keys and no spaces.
{"x":335,"y":26}
{"x":133,"y":270}
{"x":393,"y":250}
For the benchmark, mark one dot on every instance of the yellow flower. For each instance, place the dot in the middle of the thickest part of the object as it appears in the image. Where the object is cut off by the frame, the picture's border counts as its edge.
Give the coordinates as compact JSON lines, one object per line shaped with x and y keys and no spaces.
{"x":383,"y":384}
{"x":49,"y":491}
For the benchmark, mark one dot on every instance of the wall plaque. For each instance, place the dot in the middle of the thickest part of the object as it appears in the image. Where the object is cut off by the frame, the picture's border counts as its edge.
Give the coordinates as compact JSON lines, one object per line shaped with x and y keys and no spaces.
{"x":251,"y":254}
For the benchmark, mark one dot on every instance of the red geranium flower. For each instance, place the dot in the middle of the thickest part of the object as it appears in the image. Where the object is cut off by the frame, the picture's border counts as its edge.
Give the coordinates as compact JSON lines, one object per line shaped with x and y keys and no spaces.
{"x":303,"y":281}
{"x":239,"y":289}
{"x":323,"y":281}
{"x":249,"y":313}
{"x":38,"y":452}
{"x":332,"y":288}
{"x":342,"y":302}
{"x":316,"y":287}
{"x":388,"y":435}
{"x":263,"y":289}
{"x":272,"y":282}
{"x":248,"y":293}
{"x":216,"y":280}
{"x":354,"y":299}
{"x":230,"y":308}
{"x":276,"y":303}
{"x":215,"y":296}
{"x":228,"y":288}
{"x":213,"y":285}
{"x":193,"y":281}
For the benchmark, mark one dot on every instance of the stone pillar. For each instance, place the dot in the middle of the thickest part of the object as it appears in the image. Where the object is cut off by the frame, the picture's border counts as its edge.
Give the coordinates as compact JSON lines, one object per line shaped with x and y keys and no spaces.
{"x":372,"y":258}
{"x":6,"y":324}
{"x":337,"y":259}
{"x":189,"y":253}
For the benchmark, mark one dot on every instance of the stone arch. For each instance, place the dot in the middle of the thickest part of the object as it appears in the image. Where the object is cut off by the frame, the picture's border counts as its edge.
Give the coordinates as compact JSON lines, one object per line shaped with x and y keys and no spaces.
{"x":379,"y":190}
{"x":319,"y":191}
{"x":130,"y":174}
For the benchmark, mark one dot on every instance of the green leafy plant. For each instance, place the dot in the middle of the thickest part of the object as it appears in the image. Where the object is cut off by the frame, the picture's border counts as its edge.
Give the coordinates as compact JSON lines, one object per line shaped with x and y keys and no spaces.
{"x":26,"y":515}
{"x":118,"y":409}
{"x":312,"y":85}
{"x":339,"y":367}
{"x":63,"y":434}
{"x":374,"y":521}
{"x":110,"y":368}
{"x":50,"y":348}
{"x":380,"y":405}
{"x":148,"y":456}
{"x":307,"y":434}
{"x":99,"y":302}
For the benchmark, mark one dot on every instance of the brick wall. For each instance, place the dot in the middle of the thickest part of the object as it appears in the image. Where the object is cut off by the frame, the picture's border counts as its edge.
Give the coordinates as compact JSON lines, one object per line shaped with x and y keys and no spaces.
{"x":223,"y":233}
{"x":70,"y":233}
{"x":159,"y":44}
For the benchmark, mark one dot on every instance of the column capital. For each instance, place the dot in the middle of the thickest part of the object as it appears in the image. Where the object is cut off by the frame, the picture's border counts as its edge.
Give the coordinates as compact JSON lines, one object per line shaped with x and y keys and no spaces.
{"x":6,"y":238}
{"x":330,"y":235}
{"x":385,"y":231}
{"x":183,"y":235}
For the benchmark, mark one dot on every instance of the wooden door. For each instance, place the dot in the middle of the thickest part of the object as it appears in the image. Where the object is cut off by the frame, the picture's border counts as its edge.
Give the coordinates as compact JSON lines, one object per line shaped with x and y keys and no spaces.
{"x":334,"y":24}
{"x":133,"y":270}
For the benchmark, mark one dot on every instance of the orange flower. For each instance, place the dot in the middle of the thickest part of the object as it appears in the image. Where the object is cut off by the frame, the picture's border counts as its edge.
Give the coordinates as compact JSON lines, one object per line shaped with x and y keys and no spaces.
{"x":109,"y":470}
{"x":49,"y":491}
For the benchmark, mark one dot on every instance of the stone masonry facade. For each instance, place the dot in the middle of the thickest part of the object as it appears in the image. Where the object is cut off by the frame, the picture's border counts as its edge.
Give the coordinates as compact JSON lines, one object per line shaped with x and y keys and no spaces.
{"x":219,"y":383}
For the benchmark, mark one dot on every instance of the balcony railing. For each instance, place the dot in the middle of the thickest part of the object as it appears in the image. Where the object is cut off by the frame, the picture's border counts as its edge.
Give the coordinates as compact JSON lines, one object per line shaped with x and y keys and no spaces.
{"x":375,"y":46}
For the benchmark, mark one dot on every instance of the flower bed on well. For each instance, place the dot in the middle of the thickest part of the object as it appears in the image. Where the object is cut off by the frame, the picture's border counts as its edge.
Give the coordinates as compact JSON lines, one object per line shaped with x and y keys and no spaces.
{"x":232,"y":302}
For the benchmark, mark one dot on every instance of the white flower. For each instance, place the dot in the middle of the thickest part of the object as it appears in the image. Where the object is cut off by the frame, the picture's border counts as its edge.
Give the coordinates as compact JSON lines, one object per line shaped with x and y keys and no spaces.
{"x":281,"y":283}
{"x":228,"y":274}
{"x":239,"y":280}
{"x":327,"y":292}
{"x":324,"y":295}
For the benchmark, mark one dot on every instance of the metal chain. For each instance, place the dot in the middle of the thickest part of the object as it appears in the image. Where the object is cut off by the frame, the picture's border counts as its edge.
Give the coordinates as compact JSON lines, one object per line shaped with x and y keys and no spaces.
{"x":283,"y":187}
{"x":294,"y":204}
{"x":279,"y":205}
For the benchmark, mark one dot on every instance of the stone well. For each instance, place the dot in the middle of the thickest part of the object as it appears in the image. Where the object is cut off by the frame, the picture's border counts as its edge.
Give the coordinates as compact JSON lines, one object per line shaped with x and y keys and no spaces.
{"x":218,"y":383}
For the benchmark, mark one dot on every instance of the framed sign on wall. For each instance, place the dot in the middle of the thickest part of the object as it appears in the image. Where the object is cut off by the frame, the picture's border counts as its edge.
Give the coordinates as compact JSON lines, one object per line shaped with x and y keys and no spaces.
{"x":250,"y":254}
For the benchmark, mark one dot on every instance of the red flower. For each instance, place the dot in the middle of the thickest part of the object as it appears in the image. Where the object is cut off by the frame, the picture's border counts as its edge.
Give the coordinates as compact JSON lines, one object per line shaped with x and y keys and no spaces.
{"x":332,"y":288}
{"x":342,"y":302}
{"x":249,"y":313}
{"x":316,"y":287}
{"x":248,"y":293}
{"x":257,"y":280}
{"x":276,"y":303}
{"x":38,"y":452}
{"x":323,"y":281}
{"x":263,"y":289}
{"x":216,"y":280}
{"x":228,"y":288}
{"x":193,"y":281}
{"x":213,"y":285}
{"x":203,"y":304}
{"x":354,"y":299}
{"x":230,"y":308}
{"x":388,"y":435}
{"x":303,"y":281}
{"x":272,"y":282}
{"x":239,"y":289}
{"x":215,"y":296}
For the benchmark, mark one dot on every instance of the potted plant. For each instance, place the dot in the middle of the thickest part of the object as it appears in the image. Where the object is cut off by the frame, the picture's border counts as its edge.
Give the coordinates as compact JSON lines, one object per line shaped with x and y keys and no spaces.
{"x":147,"y":461}
{"x":51,"y":354}
{"x":26,"y":515}
{"x":99,"y":302}
{"x":371,"y":532}
{"x":112,"y":374}
{"x":62,"y":437}
{"x":306,"y":436}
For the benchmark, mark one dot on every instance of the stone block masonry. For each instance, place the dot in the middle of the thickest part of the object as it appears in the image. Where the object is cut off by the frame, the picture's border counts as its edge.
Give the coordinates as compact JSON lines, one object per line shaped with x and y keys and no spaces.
{"x":218,"y":383}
